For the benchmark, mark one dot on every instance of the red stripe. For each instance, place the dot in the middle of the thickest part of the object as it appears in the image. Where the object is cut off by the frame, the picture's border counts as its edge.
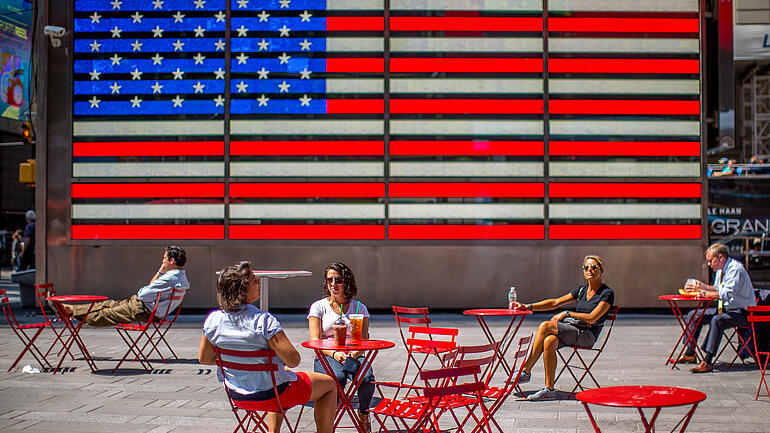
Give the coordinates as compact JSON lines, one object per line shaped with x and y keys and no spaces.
{"x":624,"y":148}
{"x":467,"y":106}
{"x":154,"y":190}
{"x":465,"y":232}
{"x":170,"y":232}
{"x":668,"y":190}
{"x":348,"y":106}
{"x":599,"y":231}
{"x":525,"y":148}
{"x":307,"y":148}
{"x":326,"y":232}
{"x":307,"y":190}
{"x":622,"y":25}
{"x":148,"y":148}
{"x":480,"y":24}
{"x":466,"y":190}
{"x":617,"y":66}
{"x":403,"y":64}
{"x":339,"y":24}
{"x":628,"y":107}
{"x":336,"y":64}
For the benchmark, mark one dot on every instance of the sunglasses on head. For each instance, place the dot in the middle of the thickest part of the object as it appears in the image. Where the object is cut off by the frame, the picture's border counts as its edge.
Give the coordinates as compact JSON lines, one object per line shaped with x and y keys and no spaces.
{"x":335,"y":280}
{"x":592,"y":267}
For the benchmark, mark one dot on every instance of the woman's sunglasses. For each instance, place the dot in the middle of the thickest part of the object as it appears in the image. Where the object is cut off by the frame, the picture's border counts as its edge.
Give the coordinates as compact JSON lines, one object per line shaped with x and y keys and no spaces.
{"x":335,"y":280}
{"x":585,"y":267}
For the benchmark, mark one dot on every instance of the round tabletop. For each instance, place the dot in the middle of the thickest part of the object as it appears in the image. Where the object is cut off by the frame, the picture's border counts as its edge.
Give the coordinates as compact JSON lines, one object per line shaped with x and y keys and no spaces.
{"x":329,"y":344}
{"x":685,"y":298}
{"x":641,"y":396}
{"x":76,"y":298}
{"x":496,"y":312}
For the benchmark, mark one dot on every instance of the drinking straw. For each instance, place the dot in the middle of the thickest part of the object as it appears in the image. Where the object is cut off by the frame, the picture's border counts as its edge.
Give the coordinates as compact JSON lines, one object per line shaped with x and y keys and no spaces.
{"x":358,"y":305}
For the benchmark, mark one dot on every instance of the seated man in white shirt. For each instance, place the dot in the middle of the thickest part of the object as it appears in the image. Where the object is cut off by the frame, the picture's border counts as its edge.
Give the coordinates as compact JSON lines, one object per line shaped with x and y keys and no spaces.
{"x":171,"y":275}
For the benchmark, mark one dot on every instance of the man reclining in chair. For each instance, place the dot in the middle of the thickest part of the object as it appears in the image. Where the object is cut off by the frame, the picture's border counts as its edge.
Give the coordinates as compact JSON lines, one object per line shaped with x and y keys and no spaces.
{"x":138,"y":307}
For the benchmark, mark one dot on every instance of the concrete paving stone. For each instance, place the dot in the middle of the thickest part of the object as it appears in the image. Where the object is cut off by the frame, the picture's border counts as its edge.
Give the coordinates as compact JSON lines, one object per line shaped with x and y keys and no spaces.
{"x":152,"y":410}
{"x":162,"y":429}
{"x":188,"y":421}
{"x":26,"y":425}
{"x":13,"y":414}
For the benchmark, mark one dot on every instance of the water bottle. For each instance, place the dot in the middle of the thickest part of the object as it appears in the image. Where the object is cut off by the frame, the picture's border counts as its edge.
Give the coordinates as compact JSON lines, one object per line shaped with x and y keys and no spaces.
{"x":512,"y":297}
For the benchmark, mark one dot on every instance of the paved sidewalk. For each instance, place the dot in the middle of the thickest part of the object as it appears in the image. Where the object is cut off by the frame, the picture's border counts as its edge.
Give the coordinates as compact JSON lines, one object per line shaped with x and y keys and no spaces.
{"x":183,"y":396}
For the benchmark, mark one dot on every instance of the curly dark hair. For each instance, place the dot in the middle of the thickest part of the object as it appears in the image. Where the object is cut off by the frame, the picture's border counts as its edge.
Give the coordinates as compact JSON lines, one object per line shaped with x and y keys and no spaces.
{"x":176,"y":253}
{"x":346,"y":273}
{"x":232,"y":286}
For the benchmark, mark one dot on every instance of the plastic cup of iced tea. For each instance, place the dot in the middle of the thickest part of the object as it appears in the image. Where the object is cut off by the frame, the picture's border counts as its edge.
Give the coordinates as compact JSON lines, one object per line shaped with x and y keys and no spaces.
{"x":357,"y":320}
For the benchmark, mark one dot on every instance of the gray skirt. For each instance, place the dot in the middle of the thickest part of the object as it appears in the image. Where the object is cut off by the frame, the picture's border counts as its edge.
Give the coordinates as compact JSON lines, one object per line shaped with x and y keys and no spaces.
{"x":571,"y":335}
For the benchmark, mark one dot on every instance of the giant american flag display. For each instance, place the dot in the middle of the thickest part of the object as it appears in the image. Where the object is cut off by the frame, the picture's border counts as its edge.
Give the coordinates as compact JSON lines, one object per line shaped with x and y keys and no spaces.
{"x":344,"y":120}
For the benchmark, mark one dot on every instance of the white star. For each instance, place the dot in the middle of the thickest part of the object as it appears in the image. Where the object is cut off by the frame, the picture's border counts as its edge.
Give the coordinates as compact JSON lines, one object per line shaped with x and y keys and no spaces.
{"x":219,"y":100}
{"x":136,"y":74}
{"x":116,"y":4}
{"x":242,"y":58}
{"x":305,"y":16}
{"x":178,"y":74}
{"x":263,"y":73}
{"x":198,"y":87}
{"x":284,"y":87}
{"x":199,"y":4}
{"x":115,"y":88}
{"x":178,"y":17}
{"x":136,"y":102}
{"x":263,"y":44}
{"x":136,"y":45}
{"x":178,"y":45}
{"x":116,"y":32}
{"x":157,"y":59}
{"x":242,"y":30}
{"x":304,"y":74}
{"x":263,"y":16}
{"x":157,"y":32}
{"x":156,"y":88}
{"x":284,"y":59}
{"x":95,"y":18}
{"x":284,"y":30}
{"x":95,"y":46}
{"x":177,"y":101}
{"x":284,"y":3}
{"x":304,"y":101}
{"x":199,"y":31}
{"x":263,"y":100}
{"x":220,"y":44}
{"x":242,"y":87}
{"x":116,"y":59}
{"x":199,"y":59}
{"x":305,"y":45}
{"x":220,"y":16}
{"x":94,"y":102}
{"x":157,"y":4}
{"x":219,"y":74}
{"x":137,"y":17}
{"x":95,"y":75}
{"x":243,"y":4}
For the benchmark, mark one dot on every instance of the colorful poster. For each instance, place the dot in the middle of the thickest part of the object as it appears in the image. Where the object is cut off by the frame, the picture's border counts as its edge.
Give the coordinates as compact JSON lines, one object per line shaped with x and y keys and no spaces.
{"x":15,"y":22}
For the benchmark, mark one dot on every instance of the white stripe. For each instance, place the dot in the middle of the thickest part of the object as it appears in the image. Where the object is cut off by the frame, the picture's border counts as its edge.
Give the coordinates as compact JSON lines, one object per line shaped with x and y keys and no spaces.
{"x":148,"y":211}
{"x":624,"y":169}
{"x":313,"y":169}
{"x":471,"y":45}
{"x":465,"y":210}
{"x":466,"y":127}
{"x":624,"y":5}
{"x":355,"y":85}
{"x":467,"y":5}
{"x":350,"y":5}
{"x":148,"y":127}
{"x":622,"y":45}
{"x":466,"y":169}
{"x":624,"y":211}
{"x":355,"y":45}
{"x":301,"y":127}
{"x":465,"y":85}
{"x":625,"y":127}
{"x":147,"y":169}
{"x":622,"y":86}
{"x":307,"y":211}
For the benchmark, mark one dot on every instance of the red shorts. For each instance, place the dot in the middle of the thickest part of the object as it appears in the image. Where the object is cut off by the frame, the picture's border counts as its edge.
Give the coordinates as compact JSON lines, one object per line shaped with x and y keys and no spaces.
{"x":298,"y":392}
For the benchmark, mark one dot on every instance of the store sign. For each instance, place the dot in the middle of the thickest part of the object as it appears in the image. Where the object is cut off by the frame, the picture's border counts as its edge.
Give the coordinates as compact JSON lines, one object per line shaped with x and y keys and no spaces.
{"x":751,"y":42}
{"x":738,"y":206}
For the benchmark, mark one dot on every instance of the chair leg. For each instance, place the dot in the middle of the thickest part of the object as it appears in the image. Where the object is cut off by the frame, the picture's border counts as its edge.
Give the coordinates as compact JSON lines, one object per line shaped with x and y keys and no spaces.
{"x":133,"y":348}
{"x":29,"y":346}
{"x":762,"y":375}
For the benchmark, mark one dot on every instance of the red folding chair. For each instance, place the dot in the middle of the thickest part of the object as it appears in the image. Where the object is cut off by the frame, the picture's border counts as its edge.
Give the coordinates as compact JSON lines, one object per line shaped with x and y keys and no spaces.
{"x":742,"y":344}
{"x":21,"y":332}
{"x":608,"y":323}
{"x":254,"y":418}
{"x":125,"y":330}
{"x":42,"y":291}
{"x":162,"y":324}
{"x":760,"y":314}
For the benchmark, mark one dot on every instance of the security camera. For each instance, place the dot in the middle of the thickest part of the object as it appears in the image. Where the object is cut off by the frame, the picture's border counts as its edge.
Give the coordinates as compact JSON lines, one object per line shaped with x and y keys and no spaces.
{"x":55,"y":33}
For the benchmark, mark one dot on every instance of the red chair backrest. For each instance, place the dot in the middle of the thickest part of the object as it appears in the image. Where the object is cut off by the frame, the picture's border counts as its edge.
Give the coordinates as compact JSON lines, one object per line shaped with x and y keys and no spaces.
{"x":482,"y":355}
{"x":411,"y":315}
{"x":177,"y":294}
{"x":425,"y":336}
{"x":447,"y":381}
{"x":43,"y":291}
{"x":612,"y":314}
{"x":754,"y":313}
{"x":7,"y":310}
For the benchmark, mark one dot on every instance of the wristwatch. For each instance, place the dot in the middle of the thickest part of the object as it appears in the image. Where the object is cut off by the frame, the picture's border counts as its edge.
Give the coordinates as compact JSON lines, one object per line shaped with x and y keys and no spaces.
{"x":703,"y":293}
{"x":567,"y":315}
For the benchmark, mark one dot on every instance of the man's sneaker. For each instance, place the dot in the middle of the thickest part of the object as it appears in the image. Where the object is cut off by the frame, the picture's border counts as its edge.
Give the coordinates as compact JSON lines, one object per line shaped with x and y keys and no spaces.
{"x":543,"y":394}
{"x":524,"y":378}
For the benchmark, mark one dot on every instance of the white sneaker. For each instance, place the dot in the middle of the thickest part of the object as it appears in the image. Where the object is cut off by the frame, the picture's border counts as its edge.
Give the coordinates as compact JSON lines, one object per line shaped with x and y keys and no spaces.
{"x":542,"y":395}
{"x":524,"y":378}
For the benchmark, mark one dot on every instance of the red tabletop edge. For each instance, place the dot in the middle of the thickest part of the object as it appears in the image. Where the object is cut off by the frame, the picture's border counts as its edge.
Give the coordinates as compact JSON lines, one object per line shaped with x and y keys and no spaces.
{"x":76,"y":298}
{"x":329,"y":344}
{"x":641,"y":396}
{"x":496,"y":312}
{"x":685,"y":298}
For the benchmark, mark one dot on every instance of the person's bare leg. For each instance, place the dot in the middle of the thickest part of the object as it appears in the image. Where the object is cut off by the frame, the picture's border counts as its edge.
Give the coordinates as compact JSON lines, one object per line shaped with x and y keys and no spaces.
{"x":543,"y":330}
{"x":325,"y":396}
{"x":550,"y":345}
{"x":274,"y":421}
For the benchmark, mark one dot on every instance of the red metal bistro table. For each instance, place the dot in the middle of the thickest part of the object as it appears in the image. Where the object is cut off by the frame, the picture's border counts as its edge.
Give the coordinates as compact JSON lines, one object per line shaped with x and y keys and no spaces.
{"x":686,"y":337}
{"x":370,"y":348}
{"x":72,"y":328}
{"x":517,"y":316}
{"x":642,"y":397}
